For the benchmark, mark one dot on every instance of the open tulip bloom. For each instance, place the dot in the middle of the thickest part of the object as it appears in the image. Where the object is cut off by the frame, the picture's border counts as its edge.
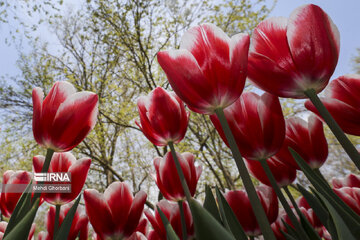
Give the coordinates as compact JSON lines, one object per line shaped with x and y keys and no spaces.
{"x":64,"y":118}
{"x":116,"y":213}
{"x":66,"y":163}
{"x":291,"y":58}
{"x":209,"y":69}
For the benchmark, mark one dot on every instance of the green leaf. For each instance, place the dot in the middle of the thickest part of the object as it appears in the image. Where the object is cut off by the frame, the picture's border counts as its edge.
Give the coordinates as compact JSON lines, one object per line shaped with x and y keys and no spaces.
{"x":343,"y":230}
{"x":64,"y":229}
{"x":206,"y":226}
{"x":229,"y":218}
{"x":21,"y":209}
{"x":170,"y":233}
{"x":210,"y":204}
{"x":22,"y":229}
{"x":315,"y":204}
{"x":320,"y":210}
{"x":347,"y":214}
{"x":290,"y":230}
{"x":309,"y":229}
{"x":288,"y":236}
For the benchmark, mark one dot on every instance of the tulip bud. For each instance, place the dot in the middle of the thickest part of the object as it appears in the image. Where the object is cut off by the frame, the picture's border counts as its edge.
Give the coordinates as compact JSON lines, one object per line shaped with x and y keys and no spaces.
{"x":64,"y":162}
{"x":163,"y":117}
{"x":172,"y":213}
{"x":79,"y":225}
{"x":116,"y":213}
{"x":284,"y":174}
{"x":9,"y":193}
{"x":209,"y":69}
{"x":351,"y":180}
{"x":342,"y":100}
{"x":307,"y":139}
{"x":289,"y":56}
{"x":240,"y":204}
{"x":64,"y":118}
{"x":257,"y":123}
{"x":168,"y":180}
{"x":351,"y":196}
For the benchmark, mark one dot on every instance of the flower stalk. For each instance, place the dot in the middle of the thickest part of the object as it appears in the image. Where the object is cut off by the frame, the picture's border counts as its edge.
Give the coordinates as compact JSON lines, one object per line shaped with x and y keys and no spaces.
{"x":334,"y":127}
{"x":244,"y":174}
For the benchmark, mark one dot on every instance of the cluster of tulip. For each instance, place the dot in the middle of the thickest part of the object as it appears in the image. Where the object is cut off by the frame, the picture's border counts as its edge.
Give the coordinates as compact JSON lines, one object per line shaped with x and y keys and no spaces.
{"x":291,"y":58}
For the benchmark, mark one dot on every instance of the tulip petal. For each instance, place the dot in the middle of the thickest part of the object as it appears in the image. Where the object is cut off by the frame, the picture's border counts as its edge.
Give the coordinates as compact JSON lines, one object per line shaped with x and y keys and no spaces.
{"x":314,"y":43}
{"x":119,"y":199}
{"x":37,"y":98}
{"x":271,"y":66}
{"x":74,"y":119}
{"x":95,"y":203}
{"x":186,"y":78}
{"x":135,"y":213}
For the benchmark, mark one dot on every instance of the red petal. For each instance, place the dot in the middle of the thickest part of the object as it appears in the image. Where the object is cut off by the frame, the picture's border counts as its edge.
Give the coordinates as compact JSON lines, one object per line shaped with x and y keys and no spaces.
{"x":135,"y":213}
{"x":37,"y":98}
{"x":119,"y":199}
{"x":186,"y":78}
{"x":38,"y":162}
{"x":99,"y":213}
{"x":59,"y":92}
{"x":271,"y":67}
{"x":314,"y":43}
{"x":74,"y":120}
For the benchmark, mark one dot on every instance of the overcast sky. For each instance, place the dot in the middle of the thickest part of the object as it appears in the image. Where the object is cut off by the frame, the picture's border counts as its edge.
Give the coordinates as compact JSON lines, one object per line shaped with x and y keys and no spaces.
{"x":345,"y":14}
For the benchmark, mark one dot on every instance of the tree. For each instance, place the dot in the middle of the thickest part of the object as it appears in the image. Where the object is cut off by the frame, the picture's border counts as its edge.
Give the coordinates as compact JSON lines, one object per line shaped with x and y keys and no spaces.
{"x":110,"y":48}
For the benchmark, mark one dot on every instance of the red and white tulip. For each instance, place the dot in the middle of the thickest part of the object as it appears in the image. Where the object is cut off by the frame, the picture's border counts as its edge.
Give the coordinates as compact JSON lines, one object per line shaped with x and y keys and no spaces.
{"x":64,"y":162}
{"x":64,"y":118}
{"x":116,"y":213}
{"x":289,"y":56}
{"x":209,"y":69}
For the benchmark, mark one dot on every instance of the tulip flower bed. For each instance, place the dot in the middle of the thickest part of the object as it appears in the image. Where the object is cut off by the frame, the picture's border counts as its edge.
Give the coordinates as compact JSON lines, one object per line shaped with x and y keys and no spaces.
{"x":289,"y":58}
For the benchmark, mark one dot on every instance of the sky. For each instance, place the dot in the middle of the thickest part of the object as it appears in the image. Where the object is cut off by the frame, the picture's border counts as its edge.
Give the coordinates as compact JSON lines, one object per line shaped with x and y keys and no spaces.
{"x":345,"y":14}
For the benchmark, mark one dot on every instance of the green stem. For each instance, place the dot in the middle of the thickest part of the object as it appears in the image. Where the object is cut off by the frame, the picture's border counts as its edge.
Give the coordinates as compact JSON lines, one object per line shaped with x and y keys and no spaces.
{"x":334,"y":127}
{"x":292,"y":200}
{"x":45,"y":168}
{"x":183,"y":221}
{"x":283,"y":200}
{"x":244,"y":174}
{"x":251,"y":238}
{"x":180,"y":172}
{"x":57,"y":216}
{"x":49,"y":154}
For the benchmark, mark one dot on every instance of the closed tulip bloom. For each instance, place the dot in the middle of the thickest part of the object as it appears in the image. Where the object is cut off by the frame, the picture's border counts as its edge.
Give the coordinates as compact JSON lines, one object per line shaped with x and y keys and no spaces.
{"x":64,"y":162}
{"x":351,"y":180}
{"x":12,"y":190}
{"x":116,"y":213}
{"x":278,"y":226}
{"x":79,"y":226}
{"x":351,"y":196}
{"x":290,"y":56}
{"x":168,"y":180}
{"x":342,"y":100}
{"x":172,"y":213}
{"x":257,"y":123}
{"x":307,"y":139}
{"x":284,"y":174}
{"x":64,"y":118}
{"x":163,"y":117}
{"x":3,"y":226}
{"x":310,"y":214}
{"x":240,"y":204}
{"x":209,"y":69}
